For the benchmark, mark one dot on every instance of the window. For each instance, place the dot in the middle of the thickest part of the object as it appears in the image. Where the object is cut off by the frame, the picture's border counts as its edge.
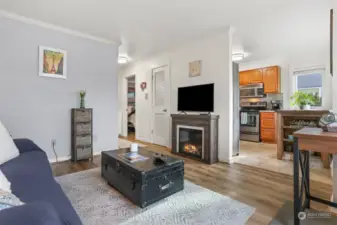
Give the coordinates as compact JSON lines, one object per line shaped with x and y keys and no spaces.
{"x":310,"y":81}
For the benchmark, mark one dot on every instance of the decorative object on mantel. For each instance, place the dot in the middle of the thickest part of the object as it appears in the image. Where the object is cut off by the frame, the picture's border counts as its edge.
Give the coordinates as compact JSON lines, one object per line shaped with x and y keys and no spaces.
{"x":195,"y":68}
{"x":82,"y":95}
{"x":52,"y":63}
{"x":328,"y":122}
{"x":303,"y":100}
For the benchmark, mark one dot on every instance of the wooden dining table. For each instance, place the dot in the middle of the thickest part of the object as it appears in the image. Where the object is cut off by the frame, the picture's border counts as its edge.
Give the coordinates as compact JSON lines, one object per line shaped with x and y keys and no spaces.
{"x":306,"y":140}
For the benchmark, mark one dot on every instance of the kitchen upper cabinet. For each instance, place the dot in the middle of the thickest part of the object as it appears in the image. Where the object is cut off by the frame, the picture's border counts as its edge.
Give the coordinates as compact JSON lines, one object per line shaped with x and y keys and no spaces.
{"x":251,"y":77}
{"x":256,"y":76}
{"x":269,"y":76}
{"x":271,"y":79}
{"x":244,"y":77}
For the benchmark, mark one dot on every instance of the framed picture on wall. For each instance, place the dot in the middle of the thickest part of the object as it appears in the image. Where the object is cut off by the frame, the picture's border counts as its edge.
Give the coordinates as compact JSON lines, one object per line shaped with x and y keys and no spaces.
{"x":52,"y":63}
{"x":195,"y":68}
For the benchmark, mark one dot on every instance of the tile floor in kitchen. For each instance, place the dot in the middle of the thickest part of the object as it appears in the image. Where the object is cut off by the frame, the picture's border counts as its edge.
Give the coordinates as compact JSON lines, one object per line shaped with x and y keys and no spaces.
{"x":263,"y":156}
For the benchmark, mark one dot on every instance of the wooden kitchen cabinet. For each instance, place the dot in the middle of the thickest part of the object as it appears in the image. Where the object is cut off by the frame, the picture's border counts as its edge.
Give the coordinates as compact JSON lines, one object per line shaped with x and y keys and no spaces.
{"x":268,"y":127}
{"x":244,"y":77}
{"x":251,"y":77}
{"x":268,"y":123}
{"x":268,"y":135}
{"x":271,"y":79}
{"x":256,"y":76}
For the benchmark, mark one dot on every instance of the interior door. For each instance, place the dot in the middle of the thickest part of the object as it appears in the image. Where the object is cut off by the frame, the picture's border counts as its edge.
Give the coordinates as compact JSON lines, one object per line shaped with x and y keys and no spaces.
{"x":161,"y":101}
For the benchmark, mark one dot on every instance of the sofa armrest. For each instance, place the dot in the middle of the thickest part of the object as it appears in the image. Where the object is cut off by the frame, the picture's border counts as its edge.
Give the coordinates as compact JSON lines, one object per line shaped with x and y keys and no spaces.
{"x":37,"y":213}
{"x":26,"y":145}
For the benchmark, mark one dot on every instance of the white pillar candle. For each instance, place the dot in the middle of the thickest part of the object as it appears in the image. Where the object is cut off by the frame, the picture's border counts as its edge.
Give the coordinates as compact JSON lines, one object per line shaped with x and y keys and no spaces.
{"x":134,"y":147}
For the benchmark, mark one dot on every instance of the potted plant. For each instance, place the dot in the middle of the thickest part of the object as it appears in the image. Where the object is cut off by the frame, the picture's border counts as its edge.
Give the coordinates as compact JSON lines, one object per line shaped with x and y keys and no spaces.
{"x":303,"y":100}
{"x":82,"y":95}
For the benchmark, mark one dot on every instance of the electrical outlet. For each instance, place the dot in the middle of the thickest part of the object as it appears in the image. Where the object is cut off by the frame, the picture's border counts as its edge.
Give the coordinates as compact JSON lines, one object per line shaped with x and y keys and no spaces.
{"x":53,"y":142}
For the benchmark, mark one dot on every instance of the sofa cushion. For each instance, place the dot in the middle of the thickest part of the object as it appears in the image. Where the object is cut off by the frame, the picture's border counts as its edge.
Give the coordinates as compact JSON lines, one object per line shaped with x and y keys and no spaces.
{"x":28,"y":167}
{"x":36,"y":213}
{"x":32,"y":180}
{"x":8,"y":149}
{"x":25,"y":145}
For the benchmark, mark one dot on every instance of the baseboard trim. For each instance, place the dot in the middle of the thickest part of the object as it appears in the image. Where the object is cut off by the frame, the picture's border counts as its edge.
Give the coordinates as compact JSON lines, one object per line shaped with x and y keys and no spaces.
{"x":228,"y":161}
{"x":60,"y":159}
{"x":66,"y":158}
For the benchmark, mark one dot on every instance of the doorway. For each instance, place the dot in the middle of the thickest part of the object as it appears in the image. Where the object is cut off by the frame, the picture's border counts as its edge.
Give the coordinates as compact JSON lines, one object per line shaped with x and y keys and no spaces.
{"x":131,"y":108}
{"x":161,"y":106}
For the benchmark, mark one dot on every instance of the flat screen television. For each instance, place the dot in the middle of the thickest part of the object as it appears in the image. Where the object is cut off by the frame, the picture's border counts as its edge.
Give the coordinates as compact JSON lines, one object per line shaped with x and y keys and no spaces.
{"x":198,"y":98}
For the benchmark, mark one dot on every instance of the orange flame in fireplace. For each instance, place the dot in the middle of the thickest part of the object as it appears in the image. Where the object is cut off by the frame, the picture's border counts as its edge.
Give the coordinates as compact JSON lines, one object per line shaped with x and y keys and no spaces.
{"x":190,"y":148}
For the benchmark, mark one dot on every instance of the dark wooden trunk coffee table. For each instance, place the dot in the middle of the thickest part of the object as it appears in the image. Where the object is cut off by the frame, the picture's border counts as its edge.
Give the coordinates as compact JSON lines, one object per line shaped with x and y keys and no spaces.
{"x":142,"y":182}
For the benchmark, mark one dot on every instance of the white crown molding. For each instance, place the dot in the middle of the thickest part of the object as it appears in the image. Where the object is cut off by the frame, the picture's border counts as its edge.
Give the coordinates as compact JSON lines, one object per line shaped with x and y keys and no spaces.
{"x":31,"y":21}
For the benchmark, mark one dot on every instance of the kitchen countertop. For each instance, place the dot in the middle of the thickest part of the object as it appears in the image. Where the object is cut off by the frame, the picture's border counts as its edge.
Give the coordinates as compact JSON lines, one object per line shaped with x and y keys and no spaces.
{"x":301,"y":112}
{"x":267,"y":110}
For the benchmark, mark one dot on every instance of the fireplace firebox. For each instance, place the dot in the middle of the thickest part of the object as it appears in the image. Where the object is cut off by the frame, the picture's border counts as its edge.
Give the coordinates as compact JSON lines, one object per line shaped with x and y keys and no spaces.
{"x":190,"y":140}
{"x":195,"y":136}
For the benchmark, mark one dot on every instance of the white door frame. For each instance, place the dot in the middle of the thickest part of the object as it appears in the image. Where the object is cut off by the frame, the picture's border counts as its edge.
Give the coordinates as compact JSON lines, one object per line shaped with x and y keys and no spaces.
{"x":168,"y":106}
{"x":125,"y":104}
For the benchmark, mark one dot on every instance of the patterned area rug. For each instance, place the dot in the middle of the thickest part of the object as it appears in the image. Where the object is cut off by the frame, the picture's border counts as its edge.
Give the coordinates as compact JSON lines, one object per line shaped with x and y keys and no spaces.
{"x":99,"y":204}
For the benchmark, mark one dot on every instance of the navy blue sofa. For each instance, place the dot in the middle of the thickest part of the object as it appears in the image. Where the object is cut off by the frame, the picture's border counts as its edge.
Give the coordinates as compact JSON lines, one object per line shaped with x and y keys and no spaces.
{"x":33,"y":183}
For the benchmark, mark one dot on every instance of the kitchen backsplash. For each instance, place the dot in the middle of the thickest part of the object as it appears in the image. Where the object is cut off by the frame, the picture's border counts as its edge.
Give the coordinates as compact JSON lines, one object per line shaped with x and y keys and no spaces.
{"x":274,"y":97}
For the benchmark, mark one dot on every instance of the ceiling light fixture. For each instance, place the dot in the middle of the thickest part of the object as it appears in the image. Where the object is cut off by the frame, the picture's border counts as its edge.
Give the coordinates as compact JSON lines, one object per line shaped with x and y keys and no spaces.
{"x":238,"y":56}
{"x":122,"y":60}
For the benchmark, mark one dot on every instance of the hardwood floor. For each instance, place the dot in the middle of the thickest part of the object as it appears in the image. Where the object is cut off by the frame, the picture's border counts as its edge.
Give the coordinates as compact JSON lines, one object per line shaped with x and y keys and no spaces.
{"x":265,"y":190}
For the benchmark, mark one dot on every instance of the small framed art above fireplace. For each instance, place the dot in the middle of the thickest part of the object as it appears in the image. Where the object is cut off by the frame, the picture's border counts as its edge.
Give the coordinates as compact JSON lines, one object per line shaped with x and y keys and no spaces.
{"x":195,"y":136}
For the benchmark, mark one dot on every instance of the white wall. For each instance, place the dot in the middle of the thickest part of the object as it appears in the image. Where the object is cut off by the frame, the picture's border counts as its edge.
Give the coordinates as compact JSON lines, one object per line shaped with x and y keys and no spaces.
{"x":120,"y":100}
{"x":38,"y":107}
{"x":215,"y":53}
{"x":290,"y":63}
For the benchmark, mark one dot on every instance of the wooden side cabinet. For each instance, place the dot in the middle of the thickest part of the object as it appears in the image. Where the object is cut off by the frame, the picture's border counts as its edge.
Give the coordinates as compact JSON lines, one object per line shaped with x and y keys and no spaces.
{"x":268,"y":127}
{"x":271,"y":80}
{"x":81,"y":134}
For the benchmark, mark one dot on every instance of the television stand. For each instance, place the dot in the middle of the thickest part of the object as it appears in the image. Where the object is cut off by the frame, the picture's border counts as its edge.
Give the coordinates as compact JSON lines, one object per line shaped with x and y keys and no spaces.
{"x":205,"y":114}
{"x":182,"y":112}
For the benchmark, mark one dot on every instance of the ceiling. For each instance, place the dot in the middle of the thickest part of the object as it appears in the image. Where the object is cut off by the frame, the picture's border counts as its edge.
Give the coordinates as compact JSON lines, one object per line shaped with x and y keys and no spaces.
{"x":145,"y":27}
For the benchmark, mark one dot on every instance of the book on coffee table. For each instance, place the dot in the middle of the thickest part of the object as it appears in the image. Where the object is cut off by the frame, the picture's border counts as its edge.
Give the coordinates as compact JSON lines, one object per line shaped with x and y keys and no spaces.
{"x":133,"y":157}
